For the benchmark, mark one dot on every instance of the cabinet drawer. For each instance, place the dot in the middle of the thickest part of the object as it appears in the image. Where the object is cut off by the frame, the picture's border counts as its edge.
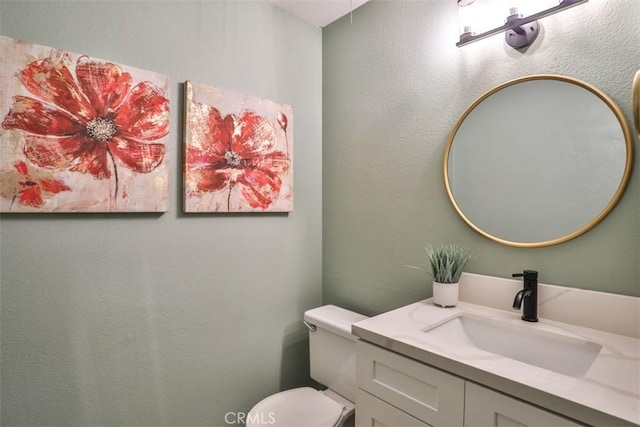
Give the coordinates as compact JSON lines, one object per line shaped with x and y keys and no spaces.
{"x":487,"y":408}
{"x":373,"y":412}
{"x":426,"y":393}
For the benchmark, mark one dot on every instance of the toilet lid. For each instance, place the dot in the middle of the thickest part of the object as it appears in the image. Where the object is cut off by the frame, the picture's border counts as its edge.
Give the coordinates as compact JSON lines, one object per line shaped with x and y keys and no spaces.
{"x":298,"y":407}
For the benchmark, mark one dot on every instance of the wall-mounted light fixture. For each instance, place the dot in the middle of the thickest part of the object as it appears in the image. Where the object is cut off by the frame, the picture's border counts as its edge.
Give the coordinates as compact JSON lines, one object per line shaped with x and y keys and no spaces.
{"x":520,"y":26}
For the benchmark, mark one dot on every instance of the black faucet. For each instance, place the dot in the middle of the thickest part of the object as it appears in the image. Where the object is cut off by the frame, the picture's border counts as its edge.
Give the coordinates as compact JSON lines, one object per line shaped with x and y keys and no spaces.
{"x":529,"y":294}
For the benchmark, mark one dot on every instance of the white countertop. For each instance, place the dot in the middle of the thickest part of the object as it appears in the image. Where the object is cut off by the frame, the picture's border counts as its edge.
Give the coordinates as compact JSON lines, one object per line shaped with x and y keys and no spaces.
{"x":608,"y":394}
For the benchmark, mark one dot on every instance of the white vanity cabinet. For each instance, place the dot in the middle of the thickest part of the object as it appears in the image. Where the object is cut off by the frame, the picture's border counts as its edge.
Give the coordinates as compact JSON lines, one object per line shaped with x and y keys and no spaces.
{"x":394,"y":391}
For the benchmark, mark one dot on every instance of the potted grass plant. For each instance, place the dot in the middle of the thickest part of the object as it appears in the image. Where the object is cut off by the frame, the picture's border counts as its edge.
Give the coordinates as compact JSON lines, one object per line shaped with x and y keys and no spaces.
{"x":446,"y":264}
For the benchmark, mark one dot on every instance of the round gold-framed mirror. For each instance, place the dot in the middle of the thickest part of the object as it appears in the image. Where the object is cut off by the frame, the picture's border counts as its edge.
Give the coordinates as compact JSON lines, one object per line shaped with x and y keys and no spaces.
{"x":538,"y":160}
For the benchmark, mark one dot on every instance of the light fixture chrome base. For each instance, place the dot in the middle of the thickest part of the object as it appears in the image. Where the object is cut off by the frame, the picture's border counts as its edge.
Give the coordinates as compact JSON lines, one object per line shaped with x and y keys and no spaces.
{"x":523,"y":35}
{"x":517,"y":25}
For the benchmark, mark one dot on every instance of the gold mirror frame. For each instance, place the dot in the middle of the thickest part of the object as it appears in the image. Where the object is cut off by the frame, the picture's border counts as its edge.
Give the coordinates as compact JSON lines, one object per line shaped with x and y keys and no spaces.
{"x":628,"y":162}
{"x":636,"y":102}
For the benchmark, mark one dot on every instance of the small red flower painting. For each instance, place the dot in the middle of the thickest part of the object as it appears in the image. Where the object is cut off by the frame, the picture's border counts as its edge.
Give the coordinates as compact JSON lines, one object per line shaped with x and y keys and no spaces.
{"x":237,"y":152}
{"x":92,"y":132}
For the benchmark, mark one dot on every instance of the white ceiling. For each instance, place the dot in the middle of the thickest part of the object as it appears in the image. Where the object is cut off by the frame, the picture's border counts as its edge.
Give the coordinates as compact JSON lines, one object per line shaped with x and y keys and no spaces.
{"x":319,"y":12}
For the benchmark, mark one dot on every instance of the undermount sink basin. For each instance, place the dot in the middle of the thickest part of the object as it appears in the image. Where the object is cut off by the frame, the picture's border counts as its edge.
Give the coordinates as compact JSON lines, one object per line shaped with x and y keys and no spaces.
{"x":559,"y":353}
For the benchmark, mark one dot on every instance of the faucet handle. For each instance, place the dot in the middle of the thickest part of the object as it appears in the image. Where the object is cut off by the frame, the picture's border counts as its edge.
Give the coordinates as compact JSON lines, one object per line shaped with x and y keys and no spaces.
{"x":527,"y":274}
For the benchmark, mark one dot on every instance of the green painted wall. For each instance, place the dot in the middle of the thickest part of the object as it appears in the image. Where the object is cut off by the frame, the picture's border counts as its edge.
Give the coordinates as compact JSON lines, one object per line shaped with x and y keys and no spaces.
{"x":178,"y":319}
{"x":394,"y":85}
{"x":174,"y":319}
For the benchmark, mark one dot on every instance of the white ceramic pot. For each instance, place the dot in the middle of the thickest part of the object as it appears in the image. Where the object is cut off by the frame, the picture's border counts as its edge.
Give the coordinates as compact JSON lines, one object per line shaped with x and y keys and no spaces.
{"x":445,"y":294}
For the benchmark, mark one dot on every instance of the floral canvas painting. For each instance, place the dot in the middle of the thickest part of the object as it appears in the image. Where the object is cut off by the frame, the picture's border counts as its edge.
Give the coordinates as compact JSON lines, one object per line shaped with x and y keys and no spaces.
{"x":237,"y":152}
{"x":80,"y":134}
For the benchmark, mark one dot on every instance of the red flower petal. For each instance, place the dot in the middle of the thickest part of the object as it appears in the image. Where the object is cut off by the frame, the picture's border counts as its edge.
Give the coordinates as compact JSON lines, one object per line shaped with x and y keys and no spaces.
{"x":274,"y":163}
{"x":21,"y":167}
{"x":52,"y":81}
{"x":78,"y":154}
{"x":103,"y":83}
{"x":144,"y":114}
{"x":253,"y":135}
{"x":207,"y":179}
{"x":33,"y":116}
{"x":195,"y":157}
{"x":31,"y":197}
{"x":258,"y":188}
{"x":53,"y":185}
{"x":209,"y":130}
{"x":138,"y":156}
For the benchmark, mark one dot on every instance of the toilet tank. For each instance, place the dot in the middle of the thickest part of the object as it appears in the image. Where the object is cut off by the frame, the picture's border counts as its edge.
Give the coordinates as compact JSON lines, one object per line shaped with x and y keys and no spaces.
{"x":332,"y":348}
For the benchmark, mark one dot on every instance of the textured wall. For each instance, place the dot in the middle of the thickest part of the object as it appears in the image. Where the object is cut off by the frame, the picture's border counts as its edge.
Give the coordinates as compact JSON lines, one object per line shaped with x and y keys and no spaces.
{"x":141,"y":320}
{"x":394,"y":85}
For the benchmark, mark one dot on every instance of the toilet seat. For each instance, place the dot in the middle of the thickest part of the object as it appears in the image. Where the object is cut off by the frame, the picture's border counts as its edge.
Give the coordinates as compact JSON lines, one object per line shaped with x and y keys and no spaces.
{"x":298,"y":407}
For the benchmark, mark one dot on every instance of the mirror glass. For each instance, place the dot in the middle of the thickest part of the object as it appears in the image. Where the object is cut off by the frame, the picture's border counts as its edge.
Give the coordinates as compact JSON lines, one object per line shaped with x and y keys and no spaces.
{"x":538,"y":160}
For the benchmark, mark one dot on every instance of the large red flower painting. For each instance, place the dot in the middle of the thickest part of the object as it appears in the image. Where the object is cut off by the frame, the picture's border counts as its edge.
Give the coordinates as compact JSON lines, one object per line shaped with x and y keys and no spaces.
{"x":93,"y":124}
{"x":240,"y":161}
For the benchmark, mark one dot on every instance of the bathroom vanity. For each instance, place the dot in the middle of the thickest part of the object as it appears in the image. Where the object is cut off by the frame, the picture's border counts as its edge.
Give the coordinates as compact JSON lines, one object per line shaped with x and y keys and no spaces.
{"x":479,"y":364}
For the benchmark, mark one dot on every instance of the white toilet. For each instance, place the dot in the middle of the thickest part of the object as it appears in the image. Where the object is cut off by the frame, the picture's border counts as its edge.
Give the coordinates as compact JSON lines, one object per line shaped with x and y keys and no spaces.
{"x":332,"y":353}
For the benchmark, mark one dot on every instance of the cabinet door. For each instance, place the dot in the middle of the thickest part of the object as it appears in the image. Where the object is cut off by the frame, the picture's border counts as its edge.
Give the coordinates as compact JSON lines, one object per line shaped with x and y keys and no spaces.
{"x":487,"y":408}
{"x":373,"y":412}
{"x":426,"y":393}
